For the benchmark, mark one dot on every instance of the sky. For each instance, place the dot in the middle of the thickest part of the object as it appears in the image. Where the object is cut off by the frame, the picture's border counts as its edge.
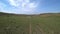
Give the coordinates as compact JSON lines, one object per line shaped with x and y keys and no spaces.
{"x":30,"y":6}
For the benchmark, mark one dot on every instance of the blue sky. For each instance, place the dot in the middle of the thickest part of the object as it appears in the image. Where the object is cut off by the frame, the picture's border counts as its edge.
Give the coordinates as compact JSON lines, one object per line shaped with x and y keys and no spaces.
{"x":29,"y":6}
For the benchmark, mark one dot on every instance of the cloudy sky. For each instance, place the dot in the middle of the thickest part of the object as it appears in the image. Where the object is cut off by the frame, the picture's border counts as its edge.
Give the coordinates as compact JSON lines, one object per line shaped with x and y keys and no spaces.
{"x":29,"y":6}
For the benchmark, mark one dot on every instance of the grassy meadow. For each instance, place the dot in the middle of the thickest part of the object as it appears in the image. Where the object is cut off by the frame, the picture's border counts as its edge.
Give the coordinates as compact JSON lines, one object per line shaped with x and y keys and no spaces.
{"x":30,"y":24}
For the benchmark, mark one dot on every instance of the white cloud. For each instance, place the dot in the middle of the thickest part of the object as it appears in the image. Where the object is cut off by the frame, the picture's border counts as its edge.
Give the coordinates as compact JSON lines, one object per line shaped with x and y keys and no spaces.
{"x":18,"y":7}
{"x":13,"y":3}
{"x":25,"y":5}
{"x":32,"y":5}
{"x":2,"y":6}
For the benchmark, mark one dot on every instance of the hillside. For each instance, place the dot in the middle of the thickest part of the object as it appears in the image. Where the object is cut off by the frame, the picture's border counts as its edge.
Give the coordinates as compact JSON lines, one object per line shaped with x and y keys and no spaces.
{"x":48,"y":23}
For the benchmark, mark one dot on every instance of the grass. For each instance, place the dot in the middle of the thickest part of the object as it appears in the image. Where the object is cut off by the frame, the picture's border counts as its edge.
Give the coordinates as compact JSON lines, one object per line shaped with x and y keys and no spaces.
{"x":20,"y":24}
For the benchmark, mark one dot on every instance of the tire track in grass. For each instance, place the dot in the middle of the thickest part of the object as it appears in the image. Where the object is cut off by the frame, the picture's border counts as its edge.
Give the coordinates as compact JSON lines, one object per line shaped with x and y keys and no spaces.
{"x":39,"y":29}
{"x":30,"y":25}
{"x":30,"y":28}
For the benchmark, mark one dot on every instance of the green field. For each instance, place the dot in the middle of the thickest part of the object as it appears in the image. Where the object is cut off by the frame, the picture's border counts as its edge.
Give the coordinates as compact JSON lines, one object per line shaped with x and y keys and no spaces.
{"x":30,"y":24}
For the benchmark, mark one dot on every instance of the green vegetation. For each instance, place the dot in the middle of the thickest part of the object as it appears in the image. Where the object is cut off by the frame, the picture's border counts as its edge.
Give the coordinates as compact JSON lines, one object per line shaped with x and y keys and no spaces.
{"x":28,"y":24}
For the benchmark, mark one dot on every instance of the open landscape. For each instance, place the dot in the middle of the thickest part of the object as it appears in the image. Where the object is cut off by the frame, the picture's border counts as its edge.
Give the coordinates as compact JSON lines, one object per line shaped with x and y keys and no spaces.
{"x":47,"y":23}
{"x":29,"y":16}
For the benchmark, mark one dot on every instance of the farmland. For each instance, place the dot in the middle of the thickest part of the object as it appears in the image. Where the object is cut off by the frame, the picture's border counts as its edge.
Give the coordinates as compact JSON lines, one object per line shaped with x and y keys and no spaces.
{"x":30,"y":24}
